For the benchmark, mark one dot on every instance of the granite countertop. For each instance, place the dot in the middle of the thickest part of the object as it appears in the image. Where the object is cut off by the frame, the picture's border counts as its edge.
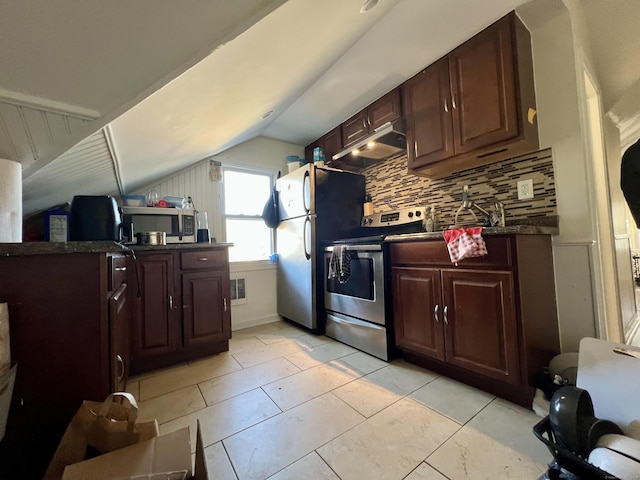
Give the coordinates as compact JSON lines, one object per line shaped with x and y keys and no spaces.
{"x":58,"y":248}
{"x":513,"y":229}
{"x":542,"y":226}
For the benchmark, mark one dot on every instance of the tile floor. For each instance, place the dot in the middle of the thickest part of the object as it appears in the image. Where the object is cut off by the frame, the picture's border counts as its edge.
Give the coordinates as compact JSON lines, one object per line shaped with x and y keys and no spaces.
{"x":286,"y":404}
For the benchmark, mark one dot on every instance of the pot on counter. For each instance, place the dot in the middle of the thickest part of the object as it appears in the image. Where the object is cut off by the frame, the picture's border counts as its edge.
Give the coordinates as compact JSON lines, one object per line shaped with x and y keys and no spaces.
{"x":151,"y":238}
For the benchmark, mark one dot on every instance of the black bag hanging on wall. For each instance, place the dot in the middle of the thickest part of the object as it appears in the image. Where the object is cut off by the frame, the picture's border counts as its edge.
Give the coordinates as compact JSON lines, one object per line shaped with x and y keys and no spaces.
{"x":270,"y":210}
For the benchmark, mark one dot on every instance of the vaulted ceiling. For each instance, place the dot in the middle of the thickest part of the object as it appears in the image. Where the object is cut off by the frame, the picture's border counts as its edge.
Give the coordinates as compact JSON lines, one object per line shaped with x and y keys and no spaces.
{"x":178,"y":81}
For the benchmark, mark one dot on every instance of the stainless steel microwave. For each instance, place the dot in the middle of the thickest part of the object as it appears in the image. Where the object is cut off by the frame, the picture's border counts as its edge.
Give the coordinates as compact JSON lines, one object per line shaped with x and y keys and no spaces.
{"x":178,"y":223}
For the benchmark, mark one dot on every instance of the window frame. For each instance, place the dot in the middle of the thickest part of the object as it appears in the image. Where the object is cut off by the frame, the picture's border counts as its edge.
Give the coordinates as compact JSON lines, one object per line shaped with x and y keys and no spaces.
{"x":223,"y":205}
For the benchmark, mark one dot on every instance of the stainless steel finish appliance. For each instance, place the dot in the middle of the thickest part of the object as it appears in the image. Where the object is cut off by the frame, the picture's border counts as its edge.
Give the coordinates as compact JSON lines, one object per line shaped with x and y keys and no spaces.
{"x":179,"y":224}
{"x":358,"y":310}
{"x":386,"y":141}
{"x":316,"y":205}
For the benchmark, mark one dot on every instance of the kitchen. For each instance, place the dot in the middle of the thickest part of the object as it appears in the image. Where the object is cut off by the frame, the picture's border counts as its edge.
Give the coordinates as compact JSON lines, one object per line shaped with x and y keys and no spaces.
{"x":578,"y":310}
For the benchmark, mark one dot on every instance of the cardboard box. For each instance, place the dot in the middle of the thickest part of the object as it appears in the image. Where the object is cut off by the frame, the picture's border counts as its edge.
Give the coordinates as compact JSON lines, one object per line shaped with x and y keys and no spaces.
{"x":164,"y":457}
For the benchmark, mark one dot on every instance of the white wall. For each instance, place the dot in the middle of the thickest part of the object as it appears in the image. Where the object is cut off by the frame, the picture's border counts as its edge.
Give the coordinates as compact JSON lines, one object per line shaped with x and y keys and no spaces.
{"x":590,"y":292}
{"x":262,"y":153}
{"x":559,"y":128}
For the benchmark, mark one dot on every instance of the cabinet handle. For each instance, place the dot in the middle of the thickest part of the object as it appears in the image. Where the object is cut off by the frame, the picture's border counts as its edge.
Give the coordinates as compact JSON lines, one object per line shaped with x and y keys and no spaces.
{"x":435,"y":313}
{"x":364,"y":123}
{"x":446,"y":106}
{"x":170,"y":302}
{"x":224,"y":301}
{"x":446,"y":319}
{"x":204,"y":259}
{"x":121,"y":269}
{"x":453,"y":102}
{"x":121,"y":363}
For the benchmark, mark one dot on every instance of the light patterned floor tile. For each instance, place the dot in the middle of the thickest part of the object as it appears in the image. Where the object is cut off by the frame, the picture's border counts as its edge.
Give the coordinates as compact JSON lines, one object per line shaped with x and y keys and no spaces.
{"x":134,"y":389}
{"x":225,"y":418}
{"x":171,"y":405}
{"x":401,"y":377}
{"x":235,"y":383}
{"x":205,"y":369}
{"x":320,"y":354}
{"x":308,"y":384}
{"x":311,"y":467}
{"x":255,"y":356}
{"x":266,"y":448}
{"x":456,"y":400}
{"x":243,"y":343}
{"x":153,"y":373}
{"x":388,"y":445}
{"x":363,"y":362}
{"x":366,"y":397}
{"x":218,"y":464}
{"x":425,"y":472}
{"x":257,"y":330}
{"x":498,"y":443}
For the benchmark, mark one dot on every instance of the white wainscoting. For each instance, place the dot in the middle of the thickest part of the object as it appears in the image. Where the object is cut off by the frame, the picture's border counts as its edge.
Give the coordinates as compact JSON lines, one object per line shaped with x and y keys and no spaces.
{"x":575,"y":295}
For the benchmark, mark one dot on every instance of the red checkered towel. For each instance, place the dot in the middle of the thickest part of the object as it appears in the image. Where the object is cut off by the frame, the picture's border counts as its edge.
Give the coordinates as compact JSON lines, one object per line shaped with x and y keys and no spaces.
{"x":464,"y":243}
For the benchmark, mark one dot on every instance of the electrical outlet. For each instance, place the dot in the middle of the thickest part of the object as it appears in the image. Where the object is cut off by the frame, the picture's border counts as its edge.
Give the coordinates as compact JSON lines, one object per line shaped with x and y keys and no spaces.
{"x":525,"y":189}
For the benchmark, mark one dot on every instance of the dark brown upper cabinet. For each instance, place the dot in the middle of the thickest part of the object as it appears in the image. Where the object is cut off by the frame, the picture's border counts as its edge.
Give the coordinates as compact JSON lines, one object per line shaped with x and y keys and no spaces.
{"x":386,"y":109}
{"x":474,"y":106}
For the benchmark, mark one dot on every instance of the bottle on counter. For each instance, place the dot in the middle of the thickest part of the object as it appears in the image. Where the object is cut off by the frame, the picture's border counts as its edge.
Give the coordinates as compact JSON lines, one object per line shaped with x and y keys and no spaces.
{"x":430,"y":223}
{"x":368,"y":205}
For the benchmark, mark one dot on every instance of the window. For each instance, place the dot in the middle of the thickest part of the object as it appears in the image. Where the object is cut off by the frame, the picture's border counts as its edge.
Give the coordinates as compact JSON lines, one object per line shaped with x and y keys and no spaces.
{"x":245,"y":194}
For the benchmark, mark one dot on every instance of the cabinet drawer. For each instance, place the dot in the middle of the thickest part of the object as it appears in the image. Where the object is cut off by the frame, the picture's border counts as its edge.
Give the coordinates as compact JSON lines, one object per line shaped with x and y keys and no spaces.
{"x":117,"y":271}
{"x":203,"y":259}
{"x":435,"y":253}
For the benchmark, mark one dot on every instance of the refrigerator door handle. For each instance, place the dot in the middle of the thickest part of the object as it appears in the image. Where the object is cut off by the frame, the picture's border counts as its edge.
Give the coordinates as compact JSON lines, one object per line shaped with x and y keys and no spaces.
{"x":307,"y":224}
{"x":306,"y":192}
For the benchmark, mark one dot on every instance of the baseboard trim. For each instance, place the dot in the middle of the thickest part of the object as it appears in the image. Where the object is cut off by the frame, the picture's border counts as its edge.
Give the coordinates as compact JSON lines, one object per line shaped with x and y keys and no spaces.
{"x":254,"y":322}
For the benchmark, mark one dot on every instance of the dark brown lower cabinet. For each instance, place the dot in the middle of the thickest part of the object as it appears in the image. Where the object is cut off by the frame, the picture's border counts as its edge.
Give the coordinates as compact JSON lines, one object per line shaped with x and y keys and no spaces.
{"x":184,"y":310}
{"x":489,"y":321}
{"x":69,"y":316}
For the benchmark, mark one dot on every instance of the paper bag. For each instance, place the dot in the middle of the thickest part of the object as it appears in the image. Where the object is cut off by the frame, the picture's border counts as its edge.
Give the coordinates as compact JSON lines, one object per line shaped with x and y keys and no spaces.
{"x":89,"y":428}
{"x":168,"y":453}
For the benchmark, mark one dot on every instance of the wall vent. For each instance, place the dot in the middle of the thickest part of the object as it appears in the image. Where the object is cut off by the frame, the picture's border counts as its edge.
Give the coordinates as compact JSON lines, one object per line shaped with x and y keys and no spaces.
{"x":238,"y":290}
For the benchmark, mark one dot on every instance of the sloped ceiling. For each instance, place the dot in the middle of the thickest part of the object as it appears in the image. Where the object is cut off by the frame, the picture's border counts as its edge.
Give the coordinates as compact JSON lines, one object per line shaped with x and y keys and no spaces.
{"x":179,"y":81}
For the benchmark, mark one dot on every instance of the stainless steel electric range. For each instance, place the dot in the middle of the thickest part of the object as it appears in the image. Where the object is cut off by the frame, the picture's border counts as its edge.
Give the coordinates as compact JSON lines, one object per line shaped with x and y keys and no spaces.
{"x":358,"y":300}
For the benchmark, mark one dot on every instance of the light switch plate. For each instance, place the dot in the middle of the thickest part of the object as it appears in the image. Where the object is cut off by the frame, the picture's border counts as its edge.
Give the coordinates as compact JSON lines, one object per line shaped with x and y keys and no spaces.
{"x":525,"y":189}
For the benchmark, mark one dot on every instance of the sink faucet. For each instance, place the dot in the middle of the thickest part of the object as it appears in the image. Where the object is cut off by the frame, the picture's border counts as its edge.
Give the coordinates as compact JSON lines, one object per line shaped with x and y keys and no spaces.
{"x":495,"y":218}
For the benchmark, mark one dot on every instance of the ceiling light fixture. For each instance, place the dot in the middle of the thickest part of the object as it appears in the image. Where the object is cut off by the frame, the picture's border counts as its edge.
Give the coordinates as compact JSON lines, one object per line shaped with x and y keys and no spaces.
{"x":368,"y":5}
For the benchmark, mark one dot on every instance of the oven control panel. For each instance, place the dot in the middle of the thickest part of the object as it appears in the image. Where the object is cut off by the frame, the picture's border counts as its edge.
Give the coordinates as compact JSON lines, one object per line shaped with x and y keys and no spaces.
{"x":401,"y":216}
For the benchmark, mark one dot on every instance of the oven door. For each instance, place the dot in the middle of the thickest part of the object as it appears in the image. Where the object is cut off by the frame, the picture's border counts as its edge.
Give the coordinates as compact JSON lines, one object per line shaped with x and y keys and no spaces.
{"x":362,"y":294}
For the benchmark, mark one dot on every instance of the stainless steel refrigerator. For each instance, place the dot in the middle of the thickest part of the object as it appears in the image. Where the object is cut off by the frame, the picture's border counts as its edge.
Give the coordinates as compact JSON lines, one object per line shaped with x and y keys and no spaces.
{"x":316,"y":204}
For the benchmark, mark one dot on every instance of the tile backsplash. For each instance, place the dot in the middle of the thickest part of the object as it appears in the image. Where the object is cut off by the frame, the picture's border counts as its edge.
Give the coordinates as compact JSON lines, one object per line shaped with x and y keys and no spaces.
{"x":391,"y":187}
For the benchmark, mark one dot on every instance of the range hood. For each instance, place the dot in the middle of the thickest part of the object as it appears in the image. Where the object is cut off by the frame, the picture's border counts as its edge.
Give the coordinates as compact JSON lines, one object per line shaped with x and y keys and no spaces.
{"x":385,"y":142}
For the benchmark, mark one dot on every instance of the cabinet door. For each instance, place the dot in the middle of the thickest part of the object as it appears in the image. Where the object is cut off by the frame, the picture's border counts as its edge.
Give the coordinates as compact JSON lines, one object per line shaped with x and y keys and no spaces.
{"x":417,"y":312}
{"x":427,"y":110}
{"x":480,"y":326}
{"x":331,"y":144}
{"x":204,"y":307}
{"x":385,"y":109}
{"x":355,"y":128}
{"x":483,"y":88}
{"x":156,"y":330}
{"x":119,"y":332}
